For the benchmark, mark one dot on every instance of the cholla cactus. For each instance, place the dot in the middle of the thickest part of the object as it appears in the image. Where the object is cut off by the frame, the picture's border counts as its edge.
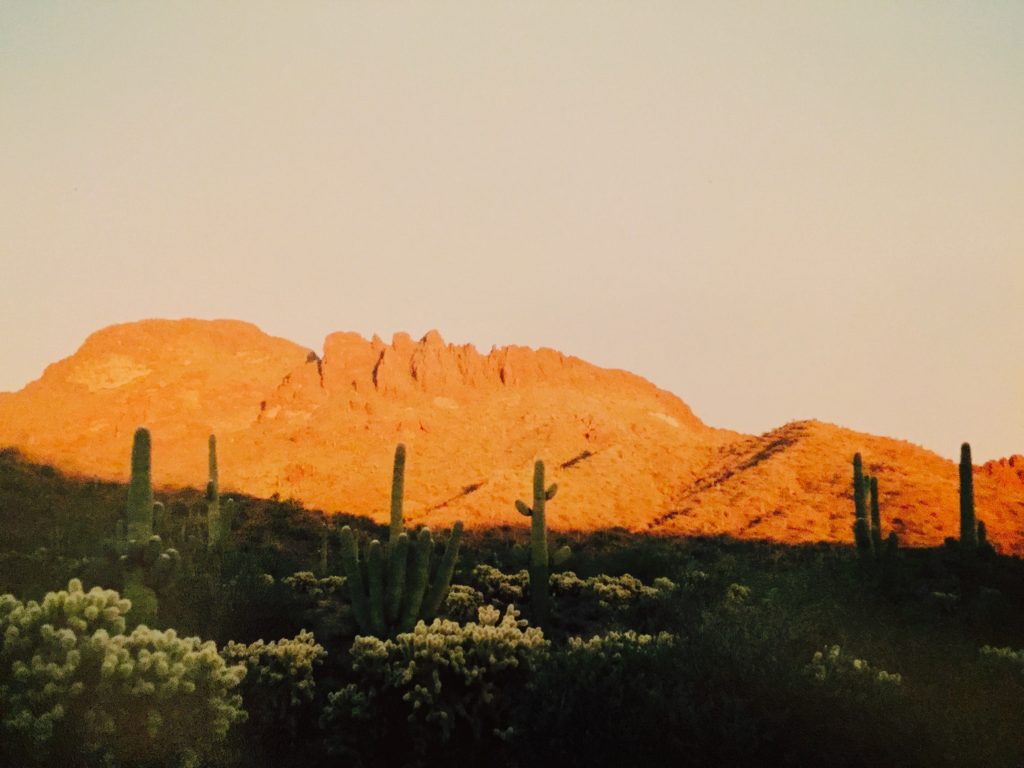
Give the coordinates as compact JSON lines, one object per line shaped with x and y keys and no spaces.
{"x":846,"y":676}
{"x":540,"y":560}
{"x":610,"y":591}
{"x":462,"y":604}
{"x":396,"y":592}
{"x":73,"y":684}
{"x":444,"y":675}
{"x":279,"y":685}
{"x":148,"y":569}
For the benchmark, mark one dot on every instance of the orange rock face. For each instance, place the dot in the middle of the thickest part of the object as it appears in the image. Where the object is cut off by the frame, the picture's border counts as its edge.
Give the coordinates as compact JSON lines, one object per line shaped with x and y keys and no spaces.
{"x":323,"y":430}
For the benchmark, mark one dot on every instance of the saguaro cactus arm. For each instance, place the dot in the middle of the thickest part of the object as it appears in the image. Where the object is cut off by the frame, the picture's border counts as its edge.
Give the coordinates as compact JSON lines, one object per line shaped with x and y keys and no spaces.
{"x":443,"y":578}
{"x":397,"y":494}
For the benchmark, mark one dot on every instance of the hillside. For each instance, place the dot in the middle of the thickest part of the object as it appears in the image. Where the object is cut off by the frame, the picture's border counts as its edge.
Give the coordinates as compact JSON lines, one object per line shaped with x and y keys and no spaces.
{"x":321,"y":428}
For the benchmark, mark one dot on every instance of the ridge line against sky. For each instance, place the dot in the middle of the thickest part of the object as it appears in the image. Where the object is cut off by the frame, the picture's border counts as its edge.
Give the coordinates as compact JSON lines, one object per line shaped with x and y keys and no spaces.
{"x":785,"y":212}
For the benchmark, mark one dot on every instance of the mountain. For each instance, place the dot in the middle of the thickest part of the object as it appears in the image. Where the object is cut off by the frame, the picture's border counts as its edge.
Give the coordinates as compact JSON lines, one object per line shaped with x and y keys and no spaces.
{"x":322,"y":429}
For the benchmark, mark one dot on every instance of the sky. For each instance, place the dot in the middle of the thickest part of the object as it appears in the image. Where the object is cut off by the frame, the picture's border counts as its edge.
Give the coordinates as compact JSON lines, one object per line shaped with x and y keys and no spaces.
{"x":776,"y":211}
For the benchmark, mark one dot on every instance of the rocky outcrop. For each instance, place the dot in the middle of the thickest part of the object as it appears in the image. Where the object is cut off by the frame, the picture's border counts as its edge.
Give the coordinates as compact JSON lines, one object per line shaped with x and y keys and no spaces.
{"x":321,"y":428}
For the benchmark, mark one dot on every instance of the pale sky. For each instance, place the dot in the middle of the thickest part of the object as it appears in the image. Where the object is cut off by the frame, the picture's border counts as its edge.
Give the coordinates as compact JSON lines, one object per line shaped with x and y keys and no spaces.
{"x":776,"y":211}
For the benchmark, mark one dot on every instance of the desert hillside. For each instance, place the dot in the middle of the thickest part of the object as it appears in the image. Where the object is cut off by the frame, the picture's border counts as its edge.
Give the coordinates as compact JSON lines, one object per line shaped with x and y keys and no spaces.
{"x":321,"y":428}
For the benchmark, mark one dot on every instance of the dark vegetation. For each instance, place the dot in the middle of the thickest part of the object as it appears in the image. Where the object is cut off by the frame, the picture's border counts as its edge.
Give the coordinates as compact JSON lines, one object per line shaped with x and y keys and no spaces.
{"x":655,"y":651}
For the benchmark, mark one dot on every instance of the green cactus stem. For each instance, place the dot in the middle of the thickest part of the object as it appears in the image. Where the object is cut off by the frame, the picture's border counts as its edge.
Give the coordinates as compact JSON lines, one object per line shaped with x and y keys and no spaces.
{"x":443,"y":578}
{"x":148,"y":570}
{"x":219,"y":519}
{"x":325,"y":551}
{"x":539,"y":559}
{"x":876,"y":518}
{"x":140,"y":489}
{"x":861,"y":524}
{"x":354,"y":577}
{"x":968,"y":525}
{"x":397,"y":493}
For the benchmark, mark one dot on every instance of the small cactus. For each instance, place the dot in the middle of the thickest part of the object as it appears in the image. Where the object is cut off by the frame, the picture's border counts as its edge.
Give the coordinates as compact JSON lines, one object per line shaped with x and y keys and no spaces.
{"x":219,"y":519}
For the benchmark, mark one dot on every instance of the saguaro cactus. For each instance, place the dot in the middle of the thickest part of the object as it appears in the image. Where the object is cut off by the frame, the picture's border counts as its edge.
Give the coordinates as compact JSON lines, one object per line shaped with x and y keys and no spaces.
{"x":140,"y":488}
{"x":149,"y":569}
{"x":968,"y":526}
{"x":876,"y":518}
{"x":539,"y":558}
{"x":218,"y":519}
{"x":861,"y":525}
{"x":396,"y":593}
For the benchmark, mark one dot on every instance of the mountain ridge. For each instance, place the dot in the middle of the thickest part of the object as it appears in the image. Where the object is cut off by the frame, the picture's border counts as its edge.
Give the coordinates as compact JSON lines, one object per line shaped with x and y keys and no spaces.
{"x":321,"y":427}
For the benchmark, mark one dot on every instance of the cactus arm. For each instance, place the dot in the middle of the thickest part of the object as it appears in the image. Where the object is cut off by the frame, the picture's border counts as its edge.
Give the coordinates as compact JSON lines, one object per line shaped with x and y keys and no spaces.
{"x":523,"y":509}
{"x":561,"y":555}
{"x":416,"y":580}
{"x":375,"y":579}
{"x":443,"y":578}
{"x":354,"y":575}
{"x":397,"y":494}
{"x":398,"y":556}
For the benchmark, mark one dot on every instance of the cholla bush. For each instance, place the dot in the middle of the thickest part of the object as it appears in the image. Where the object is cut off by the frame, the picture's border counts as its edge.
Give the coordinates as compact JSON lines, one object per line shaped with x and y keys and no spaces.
{"x":1002,"y":659}
{"x":609,"y":591}
{"x":462,"y":603}
{"x":499,"y":587}
{"x":73,"y":685}
{"x":441,"y":678}
{"x":306,"y":583}
{"x":845,"y":675}
{"x":279,"y":685}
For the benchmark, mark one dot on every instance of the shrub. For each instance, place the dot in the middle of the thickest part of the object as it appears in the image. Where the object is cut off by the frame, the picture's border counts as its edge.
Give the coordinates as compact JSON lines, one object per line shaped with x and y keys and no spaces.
{"x":73,"y":684}
{"x":441,"y":680}
{"x":848,"y":676}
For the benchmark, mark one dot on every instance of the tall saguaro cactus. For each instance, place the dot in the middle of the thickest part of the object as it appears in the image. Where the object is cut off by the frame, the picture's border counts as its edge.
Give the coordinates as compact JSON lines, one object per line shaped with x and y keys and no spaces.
{"x":861,"y":524}
{"x":140,"y":488}
{"x":968,"y":526}
{"x":396,"y":591}
{"x":876,"y":518}
{"x":539,"y":559}
{"x":149,"y":569}
{"x":218,"y":518}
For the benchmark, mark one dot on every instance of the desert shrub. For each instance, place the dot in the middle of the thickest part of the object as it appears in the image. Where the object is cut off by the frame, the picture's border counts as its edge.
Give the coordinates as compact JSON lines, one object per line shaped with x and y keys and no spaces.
{"x":279,"y":693}
{"x":74,"y":687}
{"x":279,"y":684}
{"x":461,"y":604}
{"x":498,"y":587}
{"x":848,"y":676}
{"x":442,"y":687}
{"x":306,"y":583}
{"x":1002,"y":660}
